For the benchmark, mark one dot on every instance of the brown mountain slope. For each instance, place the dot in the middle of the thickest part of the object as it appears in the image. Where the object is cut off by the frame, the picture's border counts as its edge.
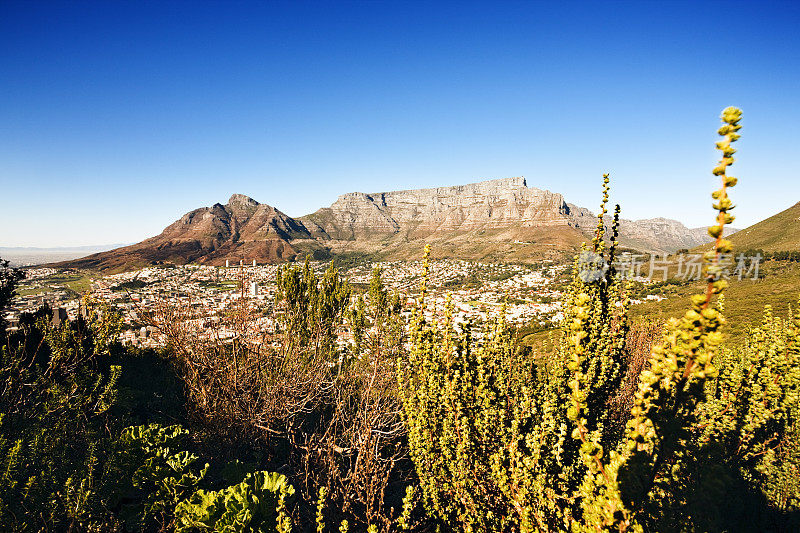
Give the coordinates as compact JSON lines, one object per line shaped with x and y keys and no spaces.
{"x":488,"y":245}
{"x":242,"y":228}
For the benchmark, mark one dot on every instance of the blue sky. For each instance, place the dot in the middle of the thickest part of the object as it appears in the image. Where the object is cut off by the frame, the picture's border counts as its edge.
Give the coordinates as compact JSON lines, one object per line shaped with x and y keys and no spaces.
{"x":116,"y":118}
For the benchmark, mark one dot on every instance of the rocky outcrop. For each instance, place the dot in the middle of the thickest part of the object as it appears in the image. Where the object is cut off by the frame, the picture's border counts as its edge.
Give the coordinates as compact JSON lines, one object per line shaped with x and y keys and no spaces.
{"x":493,"y":204}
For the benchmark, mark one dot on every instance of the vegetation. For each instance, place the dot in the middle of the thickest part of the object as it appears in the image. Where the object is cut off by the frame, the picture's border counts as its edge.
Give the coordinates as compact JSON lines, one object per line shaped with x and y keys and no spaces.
{"x":72,"y":282}
{"x":778,"y":233}
{"x":410,"y":424}
{"x":56,"y":394}
{"x":297,"y":401}
{"x":9,"y":278}
{"x":131,"y":285}
{"x":255,"y":504}
{"x":744,"y":300}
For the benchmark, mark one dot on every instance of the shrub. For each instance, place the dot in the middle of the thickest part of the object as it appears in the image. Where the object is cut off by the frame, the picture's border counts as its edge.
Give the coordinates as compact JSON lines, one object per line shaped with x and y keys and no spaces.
{"x":257,"y":504}
{"x":324,"y":412}
{"x":487,"y":429}
{"x":56,"y":388}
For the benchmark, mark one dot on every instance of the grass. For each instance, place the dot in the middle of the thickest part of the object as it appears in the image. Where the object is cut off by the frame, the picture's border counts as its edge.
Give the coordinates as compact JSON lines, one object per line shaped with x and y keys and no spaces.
{"x":31,"y":291}
{"x":744,"y":300}
{"x":225,"y":285}
{"x":780,"y":232}
{"x":76,"y":283}
{"x":79,"y":283}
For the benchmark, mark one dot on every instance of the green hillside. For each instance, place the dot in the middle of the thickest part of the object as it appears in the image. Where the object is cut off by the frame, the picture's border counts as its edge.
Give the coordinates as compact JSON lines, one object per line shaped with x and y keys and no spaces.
{"x":745,"y":299}
{"x":778,"y":233}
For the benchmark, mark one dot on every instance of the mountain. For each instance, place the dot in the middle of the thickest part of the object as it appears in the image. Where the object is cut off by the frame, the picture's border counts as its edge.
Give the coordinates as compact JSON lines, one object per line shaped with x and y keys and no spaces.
{"x":498,"y":211}
{"x":495,"y":204}
{"x":242,"y":228}
{"x":778,"y":233}
{"x":495,"y":219}
{"x":500,"y":219}
{"x":663,"y":235}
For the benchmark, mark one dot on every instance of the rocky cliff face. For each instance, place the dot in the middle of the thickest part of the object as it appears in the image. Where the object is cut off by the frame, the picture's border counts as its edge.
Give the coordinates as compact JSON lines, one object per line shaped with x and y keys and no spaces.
{"x":494,"y":219}
{"x":493,"y":204}
{"x":487,"y":205}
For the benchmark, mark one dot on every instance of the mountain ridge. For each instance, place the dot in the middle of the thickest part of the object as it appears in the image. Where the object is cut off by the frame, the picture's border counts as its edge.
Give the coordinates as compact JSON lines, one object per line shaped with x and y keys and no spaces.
{"x":778,"y":233}
{"x":485,"y":220}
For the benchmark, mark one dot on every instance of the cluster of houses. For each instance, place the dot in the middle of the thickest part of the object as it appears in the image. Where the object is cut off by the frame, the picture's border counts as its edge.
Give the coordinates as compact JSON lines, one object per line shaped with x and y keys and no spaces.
{"x":203,"y":297}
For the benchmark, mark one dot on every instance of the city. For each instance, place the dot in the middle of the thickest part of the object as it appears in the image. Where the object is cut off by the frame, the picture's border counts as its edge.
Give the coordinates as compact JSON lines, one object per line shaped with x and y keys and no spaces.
{"x":478,"y":292}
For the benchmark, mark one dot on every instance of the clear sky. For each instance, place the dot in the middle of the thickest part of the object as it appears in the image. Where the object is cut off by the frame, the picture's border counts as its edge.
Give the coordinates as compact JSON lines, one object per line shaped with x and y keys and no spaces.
{"x":116,"y":118}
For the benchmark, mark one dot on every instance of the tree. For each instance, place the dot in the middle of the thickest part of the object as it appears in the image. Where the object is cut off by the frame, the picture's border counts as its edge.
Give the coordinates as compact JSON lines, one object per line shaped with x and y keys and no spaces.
{"x":9,"y":278}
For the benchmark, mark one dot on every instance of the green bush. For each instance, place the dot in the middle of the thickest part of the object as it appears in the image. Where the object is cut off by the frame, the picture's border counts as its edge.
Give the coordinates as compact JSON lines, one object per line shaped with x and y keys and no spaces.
{"x":148,"y":474}
{"x":256,"y":505}
{"x":61,"y":465}
{"x":56,"y":387}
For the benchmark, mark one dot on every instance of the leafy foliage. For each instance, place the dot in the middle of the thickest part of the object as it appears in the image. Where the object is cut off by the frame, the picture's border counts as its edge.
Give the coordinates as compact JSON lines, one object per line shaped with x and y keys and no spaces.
{"x":248,"y":507}
{"x":56,"y":391}
{"x":148,"y":474}
{"x":63,"y":467}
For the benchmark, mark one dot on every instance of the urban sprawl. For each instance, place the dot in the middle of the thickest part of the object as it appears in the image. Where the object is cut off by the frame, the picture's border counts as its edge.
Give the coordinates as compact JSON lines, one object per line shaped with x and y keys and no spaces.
{"x":478,"y":291}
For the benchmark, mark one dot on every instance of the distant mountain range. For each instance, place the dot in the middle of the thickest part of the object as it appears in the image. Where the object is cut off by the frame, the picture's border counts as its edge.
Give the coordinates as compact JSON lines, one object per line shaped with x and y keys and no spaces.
{"x":501,"y":219}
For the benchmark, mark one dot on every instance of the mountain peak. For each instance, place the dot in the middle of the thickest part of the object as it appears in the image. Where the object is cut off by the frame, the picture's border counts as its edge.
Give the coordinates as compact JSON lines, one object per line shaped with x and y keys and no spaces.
{"x":241,"y":199}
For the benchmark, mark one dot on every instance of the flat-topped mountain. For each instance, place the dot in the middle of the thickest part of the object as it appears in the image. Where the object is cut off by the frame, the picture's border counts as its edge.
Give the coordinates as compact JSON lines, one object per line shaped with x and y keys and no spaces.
{"x":500,"y":219}
{"x":493,"y":204}
{"x":507,"y":208}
